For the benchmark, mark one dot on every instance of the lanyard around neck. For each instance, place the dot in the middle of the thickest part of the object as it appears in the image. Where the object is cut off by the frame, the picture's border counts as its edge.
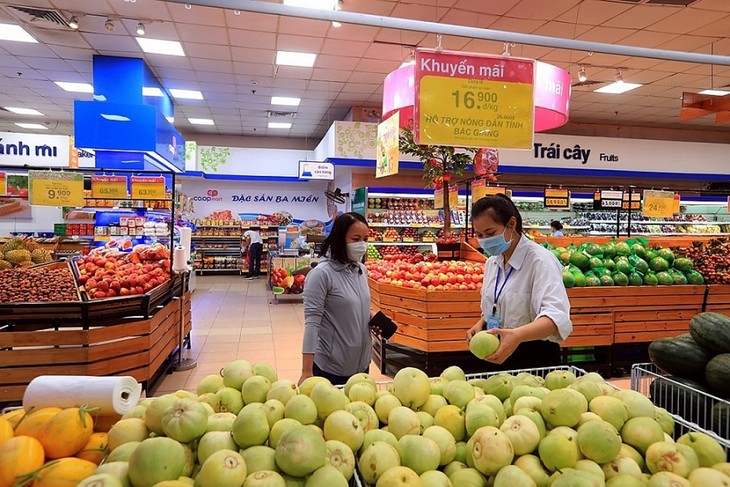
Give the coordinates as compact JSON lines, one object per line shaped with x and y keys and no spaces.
{"x":498,"y":290}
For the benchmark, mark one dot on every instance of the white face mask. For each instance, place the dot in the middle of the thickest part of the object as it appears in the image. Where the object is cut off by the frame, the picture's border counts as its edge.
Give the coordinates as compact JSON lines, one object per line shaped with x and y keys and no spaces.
{"x":356,"y":250}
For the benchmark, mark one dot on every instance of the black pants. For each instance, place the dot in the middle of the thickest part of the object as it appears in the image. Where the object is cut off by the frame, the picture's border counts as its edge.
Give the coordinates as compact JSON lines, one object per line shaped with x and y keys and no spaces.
{"x":529,"y":355}
{"x":336,"y":380}
{"x":254,"y":259}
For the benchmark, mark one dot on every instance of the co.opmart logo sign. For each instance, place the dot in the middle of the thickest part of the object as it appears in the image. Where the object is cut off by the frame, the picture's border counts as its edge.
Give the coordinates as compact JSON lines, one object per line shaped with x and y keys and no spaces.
{"x":210,"y":195}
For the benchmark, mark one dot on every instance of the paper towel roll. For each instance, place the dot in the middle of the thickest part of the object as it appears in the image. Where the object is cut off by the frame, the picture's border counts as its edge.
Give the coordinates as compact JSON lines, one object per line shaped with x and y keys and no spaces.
{"x":186,"y":236}
{"x":179,"y":263}
{"x":111,"y":394}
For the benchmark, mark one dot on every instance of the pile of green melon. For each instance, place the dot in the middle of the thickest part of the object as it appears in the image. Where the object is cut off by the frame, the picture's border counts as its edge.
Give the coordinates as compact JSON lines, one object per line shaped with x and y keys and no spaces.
{"x":247,"y":428}
{"x":625,"y":263}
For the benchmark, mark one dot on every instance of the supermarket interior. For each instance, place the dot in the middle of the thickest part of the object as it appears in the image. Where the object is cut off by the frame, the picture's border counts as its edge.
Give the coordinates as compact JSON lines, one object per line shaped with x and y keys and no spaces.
{"x":170,"y":172}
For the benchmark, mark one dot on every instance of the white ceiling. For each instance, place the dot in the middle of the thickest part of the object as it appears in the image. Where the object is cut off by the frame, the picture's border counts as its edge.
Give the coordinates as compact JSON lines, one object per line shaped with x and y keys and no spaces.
{"x":229,"y":56}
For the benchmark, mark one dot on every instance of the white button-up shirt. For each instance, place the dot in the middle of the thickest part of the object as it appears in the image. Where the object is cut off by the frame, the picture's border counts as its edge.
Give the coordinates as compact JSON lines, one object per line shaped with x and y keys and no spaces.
{"x":534,"y":289}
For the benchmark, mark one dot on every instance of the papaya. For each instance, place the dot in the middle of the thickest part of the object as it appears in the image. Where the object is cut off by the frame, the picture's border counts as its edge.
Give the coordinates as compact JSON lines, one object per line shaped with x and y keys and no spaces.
{"x":67,"y":433}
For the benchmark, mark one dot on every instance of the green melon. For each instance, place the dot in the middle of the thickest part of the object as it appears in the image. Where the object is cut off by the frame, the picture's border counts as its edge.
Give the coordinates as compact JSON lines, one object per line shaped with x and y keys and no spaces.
{"x":650,"y":279}
{"x":683,"y":264}
{"x":580,"y":260}
{"x":659,"y":264}
{"x":622,"y":248}
{"x":638,"y":249}
{"x":606,"y":281}
{"x":609,"y":250}
{"x":666,"y":254}
{"x":620,"y":279}
{"x":635,"y":279}
{"x":664,"y":278}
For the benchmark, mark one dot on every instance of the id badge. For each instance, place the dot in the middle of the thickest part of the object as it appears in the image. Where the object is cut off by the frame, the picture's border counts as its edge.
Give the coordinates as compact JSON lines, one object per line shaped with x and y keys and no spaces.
{"x":492,"y":321}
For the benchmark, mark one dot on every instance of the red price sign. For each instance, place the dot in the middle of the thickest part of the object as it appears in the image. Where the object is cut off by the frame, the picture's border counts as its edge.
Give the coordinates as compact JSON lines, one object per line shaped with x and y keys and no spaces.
{"x":3,"y":183}
{"x":148,"y":188}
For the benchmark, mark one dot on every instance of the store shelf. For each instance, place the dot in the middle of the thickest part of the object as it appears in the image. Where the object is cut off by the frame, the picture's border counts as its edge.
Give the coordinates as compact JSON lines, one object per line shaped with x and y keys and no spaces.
{"x":400,"y":244}
{"x":651,"y":222}
{"x":438,"y":226}
{"x":215,"y":249}
{"x":217,"y":236}
{"x":548,"y":227}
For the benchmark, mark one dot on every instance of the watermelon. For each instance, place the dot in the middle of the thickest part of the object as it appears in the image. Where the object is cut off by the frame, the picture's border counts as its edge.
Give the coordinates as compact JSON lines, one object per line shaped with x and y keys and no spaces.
{"x":683,"y":264}
{"x":658,"y":264}
{"x":717,"y":374}
{"x":681,"y":356}
{"x":635,"y":279}
{"x":721,"y":419}
{"x":620,"y":279}
{"x":664,"y":278}
{"x":711,"y":331}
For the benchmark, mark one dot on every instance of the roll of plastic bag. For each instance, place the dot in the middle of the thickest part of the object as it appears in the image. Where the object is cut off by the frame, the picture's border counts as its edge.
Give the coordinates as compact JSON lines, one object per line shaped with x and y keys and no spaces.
{"x":113,"y":395}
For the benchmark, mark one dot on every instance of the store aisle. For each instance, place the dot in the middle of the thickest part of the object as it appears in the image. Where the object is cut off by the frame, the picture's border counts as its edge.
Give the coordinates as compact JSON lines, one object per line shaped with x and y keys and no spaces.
{"x":233,"y":319}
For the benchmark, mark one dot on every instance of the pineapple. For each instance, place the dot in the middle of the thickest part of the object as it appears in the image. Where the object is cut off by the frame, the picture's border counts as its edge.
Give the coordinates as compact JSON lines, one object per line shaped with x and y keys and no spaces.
{"x":40,"y":256}
{"x":4,"y":265}
{"x":16,"y":257}
{"x":14,"y":243}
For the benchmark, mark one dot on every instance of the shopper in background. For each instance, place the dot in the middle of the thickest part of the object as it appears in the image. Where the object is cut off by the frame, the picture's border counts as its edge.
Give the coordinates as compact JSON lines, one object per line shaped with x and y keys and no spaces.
{"x":557,"y":228}
{"x":254,"y":245}
{"x":337,"y":341}
{"x":524,"y":300}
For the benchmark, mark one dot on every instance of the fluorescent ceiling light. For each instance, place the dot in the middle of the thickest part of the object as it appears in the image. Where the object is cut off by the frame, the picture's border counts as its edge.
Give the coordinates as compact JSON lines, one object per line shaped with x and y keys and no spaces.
{"x":285,"y":100}
{"x":12,"y":32}
{"x":23,"y":111}
{"x":152,"y":91}
{"x":300,"y":59}
{"x":618,"y":88}
{"x":158,"y":46}
{"x":75,"y":87}
{"x":34,"y":126}
{"x":279,"y":125}
{"x":170,"y":119}
{"x":186,"y":94}
{"x":201,"y":121}
{"x":714,"y":92}
{"x":320,"y":4}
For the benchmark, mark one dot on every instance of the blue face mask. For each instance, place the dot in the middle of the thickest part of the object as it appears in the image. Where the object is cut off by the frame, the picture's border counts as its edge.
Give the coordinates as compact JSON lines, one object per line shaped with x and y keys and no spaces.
{"x":495,"y":245}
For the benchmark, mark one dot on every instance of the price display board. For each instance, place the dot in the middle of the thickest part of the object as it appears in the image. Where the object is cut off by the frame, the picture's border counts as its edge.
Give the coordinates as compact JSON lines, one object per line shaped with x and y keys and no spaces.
{"x":635,"y":201}
{"x":109,"y":187}
{"x":3,"y":183}
{"x":148,"y":188}
{"x":658,"y":204}
{"x":51,"y":188}
{"x":479,"y":190}
{"x":473,"y":100}
{"x":610,"y":200}
{"x":557,"y":199}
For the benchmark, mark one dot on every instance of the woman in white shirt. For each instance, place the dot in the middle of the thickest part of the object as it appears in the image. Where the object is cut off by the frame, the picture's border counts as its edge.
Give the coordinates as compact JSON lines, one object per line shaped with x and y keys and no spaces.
{"x":524,"y":300}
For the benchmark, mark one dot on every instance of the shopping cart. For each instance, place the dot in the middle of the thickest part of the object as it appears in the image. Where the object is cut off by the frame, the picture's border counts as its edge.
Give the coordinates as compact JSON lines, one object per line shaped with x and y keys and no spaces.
{"x":692,"y":409}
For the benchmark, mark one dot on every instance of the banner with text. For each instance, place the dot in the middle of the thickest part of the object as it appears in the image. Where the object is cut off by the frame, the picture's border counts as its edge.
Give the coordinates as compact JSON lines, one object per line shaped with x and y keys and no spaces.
{"x":387,"y":142}
{"x":473,"y":100}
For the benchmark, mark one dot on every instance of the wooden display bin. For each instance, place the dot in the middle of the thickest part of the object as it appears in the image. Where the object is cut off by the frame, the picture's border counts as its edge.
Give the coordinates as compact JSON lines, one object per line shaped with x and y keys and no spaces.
{"x":718,"y":298}
{"x":135,"y":347}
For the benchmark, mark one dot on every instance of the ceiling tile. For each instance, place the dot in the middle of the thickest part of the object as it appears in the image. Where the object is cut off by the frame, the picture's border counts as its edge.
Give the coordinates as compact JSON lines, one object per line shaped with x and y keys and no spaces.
{"x":196,"y":14}
{"x":338,"y":47}
{"x":251,"y":38}
{"x":212,"y":65}
{"x":248,"y":55}
{"x":303,"y":27}
{"x":494,"y":7}
{"x":113,"y":43}
{"x":295,"y":43}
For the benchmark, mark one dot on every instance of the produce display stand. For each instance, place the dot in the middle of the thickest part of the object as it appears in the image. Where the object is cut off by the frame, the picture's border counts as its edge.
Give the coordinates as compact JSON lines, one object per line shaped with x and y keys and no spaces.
{"x":692,"y":409}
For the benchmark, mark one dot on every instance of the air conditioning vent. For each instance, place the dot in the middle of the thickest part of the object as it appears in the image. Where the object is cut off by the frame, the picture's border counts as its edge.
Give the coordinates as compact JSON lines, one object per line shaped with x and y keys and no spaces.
{"x":273,"y":114}
{"x":589,"y":82}
{"x":38,"y":17}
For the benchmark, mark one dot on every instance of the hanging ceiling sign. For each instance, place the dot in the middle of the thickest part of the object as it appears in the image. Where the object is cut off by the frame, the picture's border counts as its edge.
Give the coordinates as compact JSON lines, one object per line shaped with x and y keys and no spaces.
{"x":51,"y":188}
{"x":313,"y":170}
{"x":658,"y":204}
{"x":473,"y":100}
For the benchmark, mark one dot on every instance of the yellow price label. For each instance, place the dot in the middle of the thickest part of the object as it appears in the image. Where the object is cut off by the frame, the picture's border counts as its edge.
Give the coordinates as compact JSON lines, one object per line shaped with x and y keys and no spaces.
{"x":438,"y":198}
{"x":49,"y":188}
{"x":469,"y":100}
{"x":480,"y":190}
{"x":148,"y":188}
{"x":557,"y":198}
{"x":109,"y":187}
{"x":658,"y":204}
{"x":3,"y":183}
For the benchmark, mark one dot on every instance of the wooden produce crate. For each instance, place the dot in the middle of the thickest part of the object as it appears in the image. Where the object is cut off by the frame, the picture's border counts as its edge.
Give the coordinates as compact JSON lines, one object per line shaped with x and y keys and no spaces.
{"x":718,"y":298}
{"x":135,"y":347}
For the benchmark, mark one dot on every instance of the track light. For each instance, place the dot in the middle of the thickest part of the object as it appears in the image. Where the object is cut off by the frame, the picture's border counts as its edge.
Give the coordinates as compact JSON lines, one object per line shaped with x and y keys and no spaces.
{"x":236,"y":13}
{"x":73,"y":23}
{"x":582,"y":76}
{"x":140,"y":29}
{"x":619,"y":76}
{"x":338,"y":6}
{"x":109,"y":25}
{"x":507,"y":51}
{"x":188,"y":6}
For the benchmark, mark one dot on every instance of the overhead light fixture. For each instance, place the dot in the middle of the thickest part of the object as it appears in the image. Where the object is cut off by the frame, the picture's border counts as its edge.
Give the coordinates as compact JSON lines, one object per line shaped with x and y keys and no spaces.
{"x":159,"y":46}
{"x":617,"y":88}
{"x":298,"y":59}
{"x":710,"y":92}
{"x":152,"y":91}
{"x":186,"y":94}
{"x":109,"y":25}
{"x":619,"y":76}
{"x":201,"y":121}
{"x":74,"y":23}
{"x":236,"y":13}
{"x":286,"y":101}
{"x":582,"y":76}
{"x":318,"y":4}
{"x":140,"y":29}
{"x":507,"y":50}
{"x":12,"y":32}
{"x":188,"y":6}
{"x":338,"y":6}
{"x":279,"y":125}
{"x":23,"y":111}
{"x":75,"y":87}
{"x":32,"y":126}
{"x":170,"y":119}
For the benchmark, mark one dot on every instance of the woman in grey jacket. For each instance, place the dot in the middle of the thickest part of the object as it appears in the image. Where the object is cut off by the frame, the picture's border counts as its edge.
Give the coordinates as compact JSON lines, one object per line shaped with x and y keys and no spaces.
{"x":337,"y":342}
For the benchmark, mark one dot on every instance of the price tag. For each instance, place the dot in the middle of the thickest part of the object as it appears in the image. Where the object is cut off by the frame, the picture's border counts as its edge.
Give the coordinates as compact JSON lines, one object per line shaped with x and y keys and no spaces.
{"x":557,"y":199}
{"x":635,"y":201}
{"x":479,"y":190}
{"x":3,"y":183}
{"x":50,"y":188}
{"x":453,"y":196}
{"x":658,"y":204}
{"x":438,"y":198}
{"x":472,"y":100}
{"x":148,"y":188}
{"x":677,"y":202}
{"x":109,"y":187}
{"x":611,"y":200}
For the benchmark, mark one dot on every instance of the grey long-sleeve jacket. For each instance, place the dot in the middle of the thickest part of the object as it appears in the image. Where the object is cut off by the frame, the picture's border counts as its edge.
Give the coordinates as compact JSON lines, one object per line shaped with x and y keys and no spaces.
{"x":337,"y":316}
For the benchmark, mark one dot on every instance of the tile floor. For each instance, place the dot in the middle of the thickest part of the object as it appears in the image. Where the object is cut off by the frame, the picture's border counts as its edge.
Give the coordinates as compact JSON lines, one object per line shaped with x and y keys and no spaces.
{"x":236,"y":319}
